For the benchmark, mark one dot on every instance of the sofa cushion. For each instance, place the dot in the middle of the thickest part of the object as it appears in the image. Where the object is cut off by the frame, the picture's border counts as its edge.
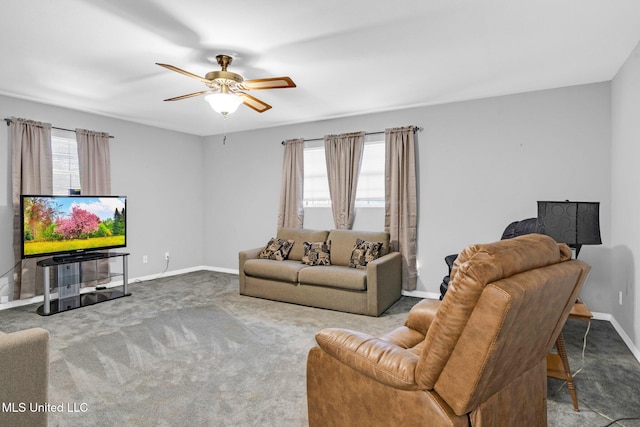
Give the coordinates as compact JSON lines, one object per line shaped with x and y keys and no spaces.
{"x":299,"y":236}
{"x":277,"y":249}
{"x":334,"y":276}
{"x":363,"y":253}
{"x":343,"y":241}
{"x":317,"y":253}
{"x":269,"y":269}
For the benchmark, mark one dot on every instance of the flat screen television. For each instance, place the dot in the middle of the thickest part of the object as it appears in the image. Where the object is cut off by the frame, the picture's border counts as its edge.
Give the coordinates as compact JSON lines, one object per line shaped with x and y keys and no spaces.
{"x":72,"y":225}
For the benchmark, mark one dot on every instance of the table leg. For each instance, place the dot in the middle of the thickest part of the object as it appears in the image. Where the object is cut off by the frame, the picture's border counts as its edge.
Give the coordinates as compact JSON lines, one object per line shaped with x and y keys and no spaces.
{"x":46,"y":307}
{"x":562,"y":352}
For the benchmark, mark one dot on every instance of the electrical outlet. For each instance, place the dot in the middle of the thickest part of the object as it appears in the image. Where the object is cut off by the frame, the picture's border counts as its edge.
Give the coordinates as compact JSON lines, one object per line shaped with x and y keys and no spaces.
{"x":620,"y":297}
{"x":145,"y":259}
{"x":166,"y":256}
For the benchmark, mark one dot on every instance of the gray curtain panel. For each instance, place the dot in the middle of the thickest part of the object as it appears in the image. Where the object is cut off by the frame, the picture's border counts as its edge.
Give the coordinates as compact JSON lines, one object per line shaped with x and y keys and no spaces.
{"x":31,"y":169}
{"x":344,"y":157}
{"x":400,"y":219}
{"x":94,"y":164}
{"x":291,"y":212}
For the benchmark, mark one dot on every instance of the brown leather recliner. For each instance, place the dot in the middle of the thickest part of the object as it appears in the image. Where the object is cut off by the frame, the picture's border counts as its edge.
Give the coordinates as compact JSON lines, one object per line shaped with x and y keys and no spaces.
{"x":477,"y":358}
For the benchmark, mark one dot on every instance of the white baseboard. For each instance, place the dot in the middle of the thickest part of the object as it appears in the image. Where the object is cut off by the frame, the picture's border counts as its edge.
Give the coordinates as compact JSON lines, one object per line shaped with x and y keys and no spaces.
{"x":21,"y":302}
{"x":167,"y":274}
{"x":421,"y":294}
{"x":602,"y":316}
{"x":222,"y":270}
{"x":627,"y":340}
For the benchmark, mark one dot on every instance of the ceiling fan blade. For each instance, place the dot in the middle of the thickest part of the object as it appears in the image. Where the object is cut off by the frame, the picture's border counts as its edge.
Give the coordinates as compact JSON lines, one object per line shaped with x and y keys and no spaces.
{"x":186,"y":73}
{"x":190,"y":95}
{"x":254,"y":103}
{"x":270,"y":83}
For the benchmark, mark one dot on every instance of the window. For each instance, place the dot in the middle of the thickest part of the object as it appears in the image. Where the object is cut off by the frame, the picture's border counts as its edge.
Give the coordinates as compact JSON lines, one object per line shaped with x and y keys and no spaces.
{"x":316,"y":184}
{"x":370,"y":191}
{"x":66,"y":173}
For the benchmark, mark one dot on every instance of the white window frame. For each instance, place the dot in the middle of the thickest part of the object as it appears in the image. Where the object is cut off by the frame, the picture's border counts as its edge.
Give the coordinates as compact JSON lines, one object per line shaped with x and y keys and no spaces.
{"x":316,"y":183}
{"x":371,"y":186}
{"x":64,"y":154}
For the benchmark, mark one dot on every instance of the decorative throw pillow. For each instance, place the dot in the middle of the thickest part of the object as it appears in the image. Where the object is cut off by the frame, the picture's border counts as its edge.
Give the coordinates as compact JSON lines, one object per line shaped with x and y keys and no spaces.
{"x":317,"y":253}
{"x":363,"y":253}
{"x":277,"y":249}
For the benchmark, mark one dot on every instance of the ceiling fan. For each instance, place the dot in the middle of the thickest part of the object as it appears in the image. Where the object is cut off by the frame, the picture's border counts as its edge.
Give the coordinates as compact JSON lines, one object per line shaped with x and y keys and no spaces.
{"x":226,"y":89}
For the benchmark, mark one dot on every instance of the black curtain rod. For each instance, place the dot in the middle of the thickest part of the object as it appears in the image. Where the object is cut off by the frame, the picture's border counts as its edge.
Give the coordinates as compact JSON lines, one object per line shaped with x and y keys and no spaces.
{"x":415,"y":129}
{"x":9,"y":121}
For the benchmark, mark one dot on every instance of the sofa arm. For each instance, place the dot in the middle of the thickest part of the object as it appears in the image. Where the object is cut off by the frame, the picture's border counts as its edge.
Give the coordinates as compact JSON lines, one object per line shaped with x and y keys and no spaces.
{"x":249,"y":254}
{"x":382,"y":361}
{"x":24,"y":369}
{"x":243,"y":256}
{"x":384,"y":282}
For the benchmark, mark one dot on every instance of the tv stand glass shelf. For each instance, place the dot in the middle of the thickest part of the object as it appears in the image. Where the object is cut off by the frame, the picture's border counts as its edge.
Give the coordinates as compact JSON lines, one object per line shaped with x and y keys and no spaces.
{"x":68,"y":275}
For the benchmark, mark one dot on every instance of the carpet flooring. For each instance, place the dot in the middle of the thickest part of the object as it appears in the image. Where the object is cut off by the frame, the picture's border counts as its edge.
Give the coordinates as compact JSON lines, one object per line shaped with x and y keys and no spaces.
{"x":189,"y":350}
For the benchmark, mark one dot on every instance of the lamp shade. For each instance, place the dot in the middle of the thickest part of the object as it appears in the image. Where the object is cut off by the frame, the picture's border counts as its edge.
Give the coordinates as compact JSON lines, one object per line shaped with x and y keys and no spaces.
{"x":573,"y":223}
{"x":224,"y":103}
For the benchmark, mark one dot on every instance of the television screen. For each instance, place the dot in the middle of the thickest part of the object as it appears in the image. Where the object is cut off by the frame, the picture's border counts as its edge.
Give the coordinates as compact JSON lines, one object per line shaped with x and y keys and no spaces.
{"x":72,"y":224}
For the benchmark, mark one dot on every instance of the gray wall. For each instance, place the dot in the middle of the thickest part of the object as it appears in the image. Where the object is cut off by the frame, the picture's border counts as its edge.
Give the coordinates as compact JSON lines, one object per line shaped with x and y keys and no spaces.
{"x":625,"y":232}
{"x":159,"y":171}
{"x":482,"y":165}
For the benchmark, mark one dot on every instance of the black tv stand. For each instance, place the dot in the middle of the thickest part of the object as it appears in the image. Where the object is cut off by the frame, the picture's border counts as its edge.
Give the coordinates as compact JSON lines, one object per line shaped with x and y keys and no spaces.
{"x":81,"y":257}
{"x":71,"y":271}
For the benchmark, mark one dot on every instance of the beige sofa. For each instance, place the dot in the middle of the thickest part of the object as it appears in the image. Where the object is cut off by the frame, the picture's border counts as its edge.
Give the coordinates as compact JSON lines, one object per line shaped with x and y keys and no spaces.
{"x":369,"y":290}
{"x":24,"y":381}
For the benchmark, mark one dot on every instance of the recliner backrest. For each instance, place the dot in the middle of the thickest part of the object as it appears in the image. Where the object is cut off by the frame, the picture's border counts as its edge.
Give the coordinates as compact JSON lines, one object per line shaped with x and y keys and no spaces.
{"x":510,"y":331}
{"x":475,"y":268}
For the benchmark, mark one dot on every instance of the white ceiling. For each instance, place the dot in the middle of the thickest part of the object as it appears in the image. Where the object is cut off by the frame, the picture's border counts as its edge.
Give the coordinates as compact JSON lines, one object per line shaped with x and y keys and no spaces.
{"x":346,"y":57}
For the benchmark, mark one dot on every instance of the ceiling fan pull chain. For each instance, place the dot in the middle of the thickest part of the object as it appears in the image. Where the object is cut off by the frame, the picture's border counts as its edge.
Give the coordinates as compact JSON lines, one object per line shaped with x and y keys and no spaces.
{"x":224,"y":129}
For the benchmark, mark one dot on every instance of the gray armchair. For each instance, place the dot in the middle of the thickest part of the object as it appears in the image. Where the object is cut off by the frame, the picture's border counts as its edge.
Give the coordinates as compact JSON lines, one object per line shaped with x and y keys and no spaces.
{"x":24,"y":377}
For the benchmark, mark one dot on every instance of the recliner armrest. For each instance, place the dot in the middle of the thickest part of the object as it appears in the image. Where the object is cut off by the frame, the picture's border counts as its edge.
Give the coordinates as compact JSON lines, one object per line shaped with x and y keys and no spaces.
{"x":382,"y":361}
{"x":422,"y":314}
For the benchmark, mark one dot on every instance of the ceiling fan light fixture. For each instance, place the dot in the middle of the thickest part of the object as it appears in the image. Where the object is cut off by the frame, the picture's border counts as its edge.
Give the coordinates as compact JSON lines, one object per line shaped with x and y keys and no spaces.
{"x":224,"y":103}
{"x":231,"y":87}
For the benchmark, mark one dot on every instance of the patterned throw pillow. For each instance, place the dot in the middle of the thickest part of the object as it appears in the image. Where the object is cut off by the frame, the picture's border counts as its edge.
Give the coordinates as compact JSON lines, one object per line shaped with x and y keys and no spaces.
{"x":277,"y":249}
{"x":363,"y":253}
{"x":317,"y":253}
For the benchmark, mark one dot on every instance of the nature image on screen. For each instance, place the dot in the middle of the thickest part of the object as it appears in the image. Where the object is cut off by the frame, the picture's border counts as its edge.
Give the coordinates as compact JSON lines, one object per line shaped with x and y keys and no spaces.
{"x":70,"y":224}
